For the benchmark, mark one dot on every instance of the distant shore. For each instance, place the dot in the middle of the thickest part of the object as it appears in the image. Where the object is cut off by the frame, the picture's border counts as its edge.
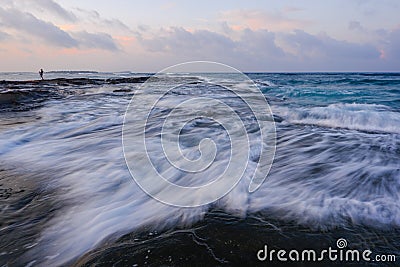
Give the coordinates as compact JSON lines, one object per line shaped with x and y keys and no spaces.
{"x":76,"y":81}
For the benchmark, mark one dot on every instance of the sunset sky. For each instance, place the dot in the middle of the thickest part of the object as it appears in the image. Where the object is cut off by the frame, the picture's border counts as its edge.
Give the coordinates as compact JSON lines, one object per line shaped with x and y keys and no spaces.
{"x":147,"y":36}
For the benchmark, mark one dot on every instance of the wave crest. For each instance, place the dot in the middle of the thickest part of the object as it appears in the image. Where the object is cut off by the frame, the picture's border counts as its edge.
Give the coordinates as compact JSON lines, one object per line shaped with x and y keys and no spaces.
{"x":362,"y":117}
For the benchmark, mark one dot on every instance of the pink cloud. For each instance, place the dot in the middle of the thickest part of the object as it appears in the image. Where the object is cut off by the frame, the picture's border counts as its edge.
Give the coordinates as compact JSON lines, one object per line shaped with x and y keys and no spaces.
{"x":68,"y":27}
{"x":72,"y":51}
{"x":257,"y":20}
{"x":382,"y":54}
{"x":125,"y":40}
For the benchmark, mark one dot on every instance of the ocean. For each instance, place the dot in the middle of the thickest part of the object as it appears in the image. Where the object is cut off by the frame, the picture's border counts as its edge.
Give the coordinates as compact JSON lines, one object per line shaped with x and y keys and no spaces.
{"x":67,"y":197}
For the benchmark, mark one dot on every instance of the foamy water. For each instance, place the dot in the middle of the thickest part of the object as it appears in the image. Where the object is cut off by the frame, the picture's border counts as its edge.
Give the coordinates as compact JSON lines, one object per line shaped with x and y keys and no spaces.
{"x":337,"y":163}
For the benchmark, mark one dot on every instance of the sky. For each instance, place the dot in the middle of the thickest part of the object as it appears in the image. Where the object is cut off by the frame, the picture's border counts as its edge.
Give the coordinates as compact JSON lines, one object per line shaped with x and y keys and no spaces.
{"x":148,"y":36}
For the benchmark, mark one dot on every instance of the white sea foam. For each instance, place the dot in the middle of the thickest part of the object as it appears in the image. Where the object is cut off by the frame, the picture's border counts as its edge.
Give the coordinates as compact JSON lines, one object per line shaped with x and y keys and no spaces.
{"x":319,"y":179}
{"x":363,"y":117}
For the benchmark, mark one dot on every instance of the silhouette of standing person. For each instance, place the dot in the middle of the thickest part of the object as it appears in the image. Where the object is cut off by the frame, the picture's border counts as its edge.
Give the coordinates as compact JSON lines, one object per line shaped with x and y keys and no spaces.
{"x":41,"y":73}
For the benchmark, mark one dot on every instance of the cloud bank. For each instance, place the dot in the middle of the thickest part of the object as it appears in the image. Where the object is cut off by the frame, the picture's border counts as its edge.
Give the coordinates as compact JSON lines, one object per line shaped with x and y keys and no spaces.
{"x":55,"y":8}
{"x":29,"y":24}
{"x":265,"y":50}
{"x":26,"y":24}
{"x":249,"y":39}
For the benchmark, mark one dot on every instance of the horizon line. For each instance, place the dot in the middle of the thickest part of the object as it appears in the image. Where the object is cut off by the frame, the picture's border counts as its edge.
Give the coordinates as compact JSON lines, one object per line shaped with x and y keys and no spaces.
{"x":150,"y":72}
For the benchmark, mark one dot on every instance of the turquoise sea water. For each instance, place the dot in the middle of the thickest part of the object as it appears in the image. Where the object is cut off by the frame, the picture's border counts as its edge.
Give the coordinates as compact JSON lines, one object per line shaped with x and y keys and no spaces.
{"x":67,"y":196}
